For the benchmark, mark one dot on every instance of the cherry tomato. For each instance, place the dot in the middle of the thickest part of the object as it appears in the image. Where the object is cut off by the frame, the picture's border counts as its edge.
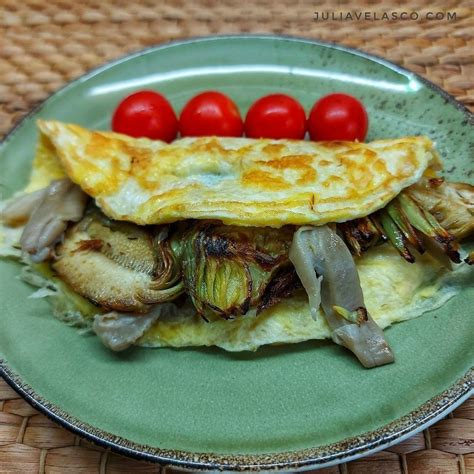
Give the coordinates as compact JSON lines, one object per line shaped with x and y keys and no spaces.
{"x":210,"y":113}
{"x":146,"y":114}
{"x":276,"y":116}
{"x":338,"y":117}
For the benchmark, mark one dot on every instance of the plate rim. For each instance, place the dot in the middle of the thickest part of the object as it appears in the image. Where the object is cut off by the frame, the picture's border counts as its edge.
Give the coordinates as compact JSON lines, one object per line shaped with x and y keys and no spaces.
{"x":319,"y":457}
{"x":322,"y":456}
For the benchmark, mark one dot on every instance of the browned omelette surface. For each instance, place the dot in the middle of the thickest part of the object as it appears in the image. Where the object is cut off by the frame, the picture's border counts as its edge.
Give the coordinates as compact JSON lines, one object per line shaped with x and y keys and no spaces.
{"x":237,"y":180}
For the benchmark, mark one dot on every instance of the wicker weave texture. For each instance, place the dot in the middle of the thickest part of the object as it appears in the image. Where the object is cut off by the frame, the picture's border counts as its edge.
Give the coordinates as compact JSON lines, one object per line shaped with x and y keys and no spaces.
{"x":29,"y":442}
{"x":44,"y":44}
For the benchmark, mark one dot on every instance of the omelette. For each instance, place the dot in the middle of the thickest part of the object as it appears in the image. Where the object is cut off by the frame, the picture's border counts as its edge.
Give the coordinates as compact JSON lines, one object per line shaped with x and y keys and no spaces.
{"x":239,"y":181}
{"x":236,"y":242}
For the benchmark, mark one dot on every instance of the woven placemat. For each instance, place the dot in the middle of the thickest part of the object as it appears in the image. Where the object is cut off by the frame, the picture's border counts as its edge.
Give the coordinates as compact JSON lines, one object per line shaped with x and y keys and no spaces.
{"x":30,"y":442}
{"x":46,"y":43}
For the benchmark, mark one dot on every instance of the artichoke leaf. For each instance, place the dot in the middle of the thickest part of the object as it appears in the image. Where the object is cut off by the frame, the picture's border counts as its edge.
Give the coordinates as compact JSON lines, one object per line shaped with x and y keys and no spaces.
{"x":452,"y":204}
{"x":226,"y":269}
{"x":117,"y":265}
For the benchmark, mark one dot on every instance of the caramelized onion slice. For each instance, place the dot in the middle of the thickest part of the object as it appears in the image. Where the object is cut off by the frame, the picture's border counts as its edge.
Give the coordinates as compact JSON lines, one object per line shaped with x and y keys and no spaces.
{"x":319,"y":250}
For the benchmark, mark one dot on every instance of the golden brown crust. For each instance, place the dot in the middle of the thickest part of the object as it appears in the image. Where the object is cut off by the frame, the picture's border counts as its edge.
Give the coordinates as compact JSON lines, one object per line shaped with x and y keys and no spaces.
{"x":237,"y":180}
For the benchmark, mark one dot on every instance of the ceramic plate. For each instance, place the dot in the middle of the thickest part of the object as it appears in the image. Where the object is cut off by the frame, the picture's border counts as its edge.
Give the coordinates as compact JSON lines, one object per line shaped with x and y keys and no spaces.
{"x":286,"y":407}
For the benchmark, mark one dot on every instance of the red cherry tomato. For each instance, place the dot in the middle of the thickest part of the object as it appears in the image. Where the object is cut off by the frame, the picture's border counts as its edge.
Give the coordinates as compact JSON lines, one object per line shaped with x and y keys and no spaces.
{"x":146,"y":114}
{"x":338,"y":117}
{"x":210,"y":113}
{"x":276,"y":116}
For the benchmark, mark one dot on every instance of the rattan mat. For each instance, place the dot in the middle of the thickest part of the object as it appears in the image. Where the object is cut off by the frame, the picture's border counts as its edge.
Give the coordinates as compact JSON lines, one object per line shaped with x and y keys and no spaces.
{"x":45,"y":43}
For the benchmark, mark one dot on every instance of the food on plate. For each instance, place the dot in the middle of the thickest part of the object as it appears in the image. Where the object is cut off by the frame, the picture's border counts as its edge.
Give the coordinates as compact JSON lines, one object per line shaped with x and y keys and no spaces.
{"x":141,"y":268}
{"x":240,"y":242}
{"x":46,"y":214}
{"x":238,"y":181}
{"x":146,"y":114}
{"x":451,"y":204}
{"x":329,"y":275}
{"x":276,"y":116}
{"x":338,"y":117}
{"x":210,"y":113}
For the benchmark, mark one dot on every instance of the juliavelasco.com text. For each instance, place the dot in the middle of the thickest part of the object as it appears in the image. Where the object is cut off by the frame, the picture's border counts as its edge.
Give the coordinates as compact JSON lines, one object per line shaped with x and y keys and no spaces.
{"x":383,"y":16}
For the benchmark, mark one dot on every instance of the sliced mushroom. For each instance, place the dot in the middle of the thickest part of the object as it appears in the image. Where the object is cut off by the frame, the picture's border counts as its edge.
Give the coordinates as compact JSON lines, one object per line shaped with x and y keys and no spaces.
{"x":320,"y":251}
{"x":118,"y":331}
{"x":47,"y":212}
{"x":20,"y":208}
{"x":117,"y":265}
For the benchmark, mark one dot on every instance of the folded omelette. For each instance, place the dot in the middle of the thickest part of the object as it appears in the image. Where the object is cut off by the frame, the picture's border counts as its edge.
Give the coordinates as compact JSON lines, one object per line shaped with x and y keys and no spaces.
{"x":239,"y":242}
{"x":239,"y":181}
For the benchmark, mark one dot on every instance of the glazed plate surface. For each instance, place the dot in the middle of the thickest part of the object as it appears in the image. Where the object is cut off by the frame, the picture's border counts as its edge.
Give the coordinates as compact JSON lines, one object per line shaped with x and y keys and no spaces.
{"x":292,"y":406}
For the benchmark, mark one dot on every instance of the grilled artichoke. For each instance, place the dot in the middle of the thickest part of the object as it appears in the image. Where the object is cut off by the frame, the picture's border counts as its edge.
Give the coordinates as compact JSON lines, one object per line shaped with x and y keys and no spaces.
{"x":432,"y":215}
{"x":452,"y":204}
{"x":228,"y":269}
{"x":118,"y":265}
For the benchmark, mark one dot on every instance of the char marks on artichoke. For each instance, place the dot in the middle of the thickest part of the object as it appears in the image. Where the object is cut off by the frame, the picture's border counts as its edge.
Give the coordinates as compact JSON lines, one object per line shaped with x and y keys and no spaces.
{"x":432,"y":215}
{"x":227,"y":269}
{"x":451,"y":204}
{"x":118,"y":265}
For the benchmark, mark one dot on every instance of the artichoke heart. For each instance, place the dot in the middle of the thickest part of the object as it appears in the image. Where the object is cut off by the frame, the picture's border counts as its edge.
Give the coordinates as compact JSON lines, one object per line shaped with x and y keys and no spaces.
{"x":452,"y":204}
{"x":227,"y":269}
{"x":118,"y":265}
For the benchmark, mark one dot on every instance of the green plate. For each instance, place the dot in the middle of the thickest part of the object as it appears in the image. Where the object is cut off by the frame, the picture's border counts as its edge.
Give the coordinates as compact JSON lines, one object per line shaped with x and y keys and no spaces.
{"x":284,"y":407}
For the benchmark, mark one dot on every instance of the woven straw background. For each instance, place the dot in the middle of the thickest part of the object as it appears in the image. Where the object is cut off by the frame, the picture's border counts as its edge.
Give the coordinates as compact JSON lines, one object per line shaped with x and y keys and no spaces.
{"x":46,"y":43}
